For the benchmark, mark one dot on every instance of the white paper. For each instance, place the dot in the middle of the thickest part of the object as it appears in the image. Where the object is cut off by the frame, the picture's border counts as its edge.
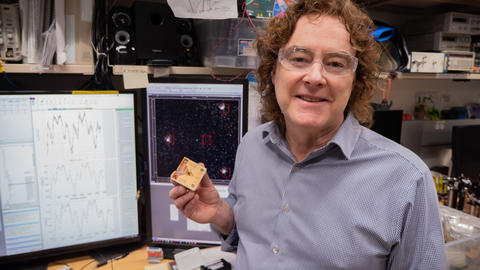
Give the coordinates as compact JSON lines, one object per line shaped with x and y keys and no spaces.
{"x":193,"y":226}
{"x":173,"y":213}
{"x":204,"y":9}
{"x":213,"y":254}
{"x":24,"y":7}
{"x":60,"y":31}
{"x":193,"y":258}
{"x":222,"y":191}
{"x":32,"y":13}
{"x":135,"y":77}
{"x":87,"y":12}
{"x":49,"y":46}
{"x":161,"y":72}
{"x":189,"y":259}
{"x":70,"y":39}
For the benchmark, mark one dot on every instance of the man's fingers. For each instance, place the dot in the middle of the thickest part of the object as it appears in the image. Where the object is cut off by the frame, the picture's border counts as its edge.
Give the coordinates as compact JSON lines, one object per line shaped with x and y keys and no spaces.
{"x":180,"y":202}
{"x":176,"y":192}
{"x":189,"y":207}
{"x":206,"y":179}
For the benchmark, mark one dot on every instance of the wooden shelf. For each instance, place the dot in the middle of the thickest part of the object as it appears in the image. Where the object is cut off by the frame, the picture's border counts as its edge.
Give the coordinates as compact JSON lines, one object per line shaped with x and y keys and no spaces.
{"x":51,"y":69}
{"x":204,"y":71}
{"x":184,"y":70}
{"x":118,"y":69}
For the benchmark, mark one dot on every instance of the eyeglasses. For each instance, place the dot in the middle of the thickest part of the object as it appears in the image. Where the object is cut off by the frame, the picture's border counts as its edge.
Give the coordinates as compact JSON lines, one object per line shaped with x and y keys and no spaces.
{"x":301,"y":60}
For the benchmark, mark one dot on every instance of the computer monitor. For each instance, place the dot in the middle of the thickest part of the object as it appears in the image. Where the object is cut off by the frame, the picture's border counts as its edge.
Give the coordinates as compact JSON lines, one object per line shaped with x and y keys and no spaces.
{"x":201,"y":119}
{"x":465,"y":152}
{"x":68,"y":173}
{"x":388,"y":123}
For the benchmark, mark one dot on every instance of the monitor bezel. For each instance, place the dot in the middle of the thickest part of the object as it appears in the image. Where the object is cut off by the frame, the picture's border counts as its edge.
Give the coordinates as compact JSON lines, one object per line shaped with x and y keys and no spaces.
{"x":192,"y":80}
{"x":46,"y":255}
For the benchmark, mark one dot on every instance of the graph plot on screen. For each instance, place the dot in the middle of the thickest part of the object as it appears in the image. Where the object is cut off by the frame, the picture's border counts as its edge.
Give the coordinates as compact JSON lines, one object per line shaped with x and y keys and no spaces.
{"x":69,"y":133}
{"x":68,"y":172}
{"x":74,"y":179}
{"x":72,"y":221}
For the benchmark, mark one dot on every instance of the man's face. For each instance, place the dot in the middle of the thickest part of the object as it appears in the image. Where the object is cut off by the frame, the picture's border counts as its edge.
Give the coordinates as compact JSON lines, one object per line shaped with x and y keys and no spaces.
{"x":314,"y":96}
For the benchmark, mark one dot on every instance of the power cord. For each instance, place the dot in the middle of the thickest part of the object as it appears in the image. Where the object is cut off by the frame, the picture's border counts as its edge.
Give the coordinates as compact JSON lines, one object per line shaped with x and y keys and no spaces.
{"x":64,"y":267}
{"x":2,"y":70}
{"x":83,"y":267}
{"x":251,"y":26}
{"x":100,"y":264}
{"x":100,"y":46}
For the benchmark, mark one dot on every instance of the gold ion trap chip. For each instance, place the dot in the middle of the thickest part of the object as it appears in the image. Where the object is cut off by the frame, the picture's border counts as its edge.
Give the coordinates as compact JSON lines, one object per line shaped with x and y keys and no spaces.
{"x":188,"y":174}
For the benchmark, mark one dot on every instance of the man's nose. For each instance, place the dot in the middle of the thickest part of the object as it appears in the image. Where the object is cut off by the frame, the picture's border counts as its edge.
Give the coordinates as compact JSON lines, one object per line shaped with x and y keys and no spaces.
{"x":315,"y":74}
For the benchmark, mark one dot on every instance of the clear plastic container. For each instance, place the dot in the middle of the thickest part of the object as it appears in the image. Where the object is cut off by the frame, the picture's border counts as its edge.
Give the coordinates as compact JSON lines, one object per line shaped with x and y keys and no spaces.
{"x":464,"y":253}
{"x":462,"y":234}
{"x":224,"y":43}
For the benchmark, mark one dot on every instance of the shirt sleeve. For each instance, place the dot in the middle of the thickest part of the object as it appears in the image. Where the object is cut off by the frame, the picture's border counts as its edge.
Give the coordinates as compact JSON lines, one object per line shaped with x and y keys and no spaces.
{"x":422,"y":244}
{"x":229,"y":242}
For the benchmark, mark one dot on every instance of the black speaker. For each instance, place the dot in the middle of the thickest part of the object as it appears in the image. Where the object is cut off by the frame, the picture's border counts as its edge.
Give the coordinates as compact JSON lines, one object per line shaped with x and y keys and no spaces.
{"x":122,"y":35}
{"x":161,"y":38}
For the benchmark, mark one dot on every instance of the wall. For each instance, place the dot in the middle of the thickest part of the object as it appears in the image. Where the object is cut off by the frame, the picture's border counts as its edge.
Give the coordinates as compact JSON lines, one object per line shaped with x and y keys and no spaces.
{"x":445,"y":93}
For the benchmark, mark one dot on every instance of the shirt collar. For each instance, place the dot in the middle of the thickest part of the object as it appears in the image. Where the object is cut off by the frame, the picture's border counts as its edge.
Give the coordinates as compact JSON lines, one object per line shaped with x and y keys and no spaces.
{"x":345,"y":138}
{"x":347,"y":135}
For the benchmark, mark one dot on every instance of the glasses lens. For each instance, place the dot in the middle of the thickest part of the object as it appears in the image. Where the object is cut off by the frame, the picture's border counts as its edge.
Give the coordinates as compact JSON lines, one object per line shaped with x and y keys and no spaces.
{"x":299,"y":59}
{"x":338,"y":63}
{"x":296,"y":58}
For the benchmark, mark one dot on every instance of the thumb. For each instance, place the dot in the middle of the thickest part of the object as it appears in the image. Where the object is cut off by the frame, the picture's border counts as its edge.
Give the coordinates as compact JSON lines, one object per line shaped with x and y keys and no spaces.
{"x":206,"y":181}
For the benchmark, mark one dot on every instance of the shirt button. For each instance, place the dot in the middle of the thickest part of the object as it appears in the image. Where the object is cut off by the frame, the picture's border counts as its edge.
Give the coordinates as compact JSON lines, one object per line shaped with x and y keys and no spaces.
{"x":297,"y":168}
{"x":275,"y":250}
{"x":286,"y":208}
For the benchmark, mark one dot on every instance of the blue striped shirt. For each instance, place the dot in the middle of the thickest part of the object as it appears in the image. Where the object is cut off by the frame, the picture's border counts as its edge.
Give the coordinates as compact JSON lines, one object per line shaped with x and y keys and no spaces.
{"x":360,"y":202}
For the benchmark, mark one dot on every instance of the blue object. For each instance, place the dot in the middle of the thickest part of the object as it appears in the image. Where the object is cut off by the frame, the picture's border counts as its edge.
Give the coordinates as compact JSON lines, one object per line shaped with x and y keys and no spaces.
{"x":8,"y":80}
{"x":383,"y":33}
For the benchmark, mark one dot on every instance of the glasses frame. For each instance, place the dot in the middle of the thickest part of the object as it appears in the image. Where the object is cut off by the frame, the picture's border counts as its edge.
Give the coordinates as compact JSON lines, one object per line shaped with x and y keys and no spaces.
{"x":282,"y":60}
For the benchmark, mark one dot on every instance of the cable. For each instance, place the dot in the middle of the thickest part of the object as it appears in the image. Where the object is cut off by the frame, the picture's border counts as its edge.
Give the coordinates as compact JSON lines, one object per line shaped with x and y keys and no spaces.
{"x":65,"y":266}
{"x":2,"y":70}
{"x":100,"y":46}
{"x":8,"y":80}
{"x":83,"y":267}
{"x":100,"y":264}
{"x":251,"y":25}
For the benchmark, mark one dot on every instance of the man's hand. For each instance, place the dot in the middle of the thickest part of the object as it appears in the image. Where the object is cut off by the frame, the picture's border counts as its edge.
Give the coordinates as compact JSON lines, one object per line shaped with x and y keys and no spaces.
{"x":203,"y":205}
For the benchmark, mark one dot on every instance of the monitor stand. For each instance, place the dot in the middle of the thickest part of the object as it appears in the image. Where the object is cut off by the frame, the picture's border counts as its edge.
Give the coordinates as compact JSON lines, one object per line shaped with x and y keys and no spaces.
{"x":168,"y":253}
{"x":103,"y":255}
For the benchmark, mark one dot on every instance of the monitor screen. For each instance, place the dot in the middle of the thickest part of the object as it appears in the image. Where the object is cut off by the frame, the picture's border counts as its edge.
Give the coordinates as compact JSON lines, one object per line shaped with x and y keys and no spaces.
{"x":201,"y":119}
{"x":465,"y":149}
{"x":68,"y":172}
{"x":388,"y":123}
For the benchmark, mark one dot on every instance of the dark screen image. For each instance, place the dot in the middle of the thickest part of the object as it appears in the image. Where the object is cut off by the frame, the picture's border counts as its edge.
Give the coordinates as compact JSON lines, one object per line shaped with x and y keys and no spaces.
{"x":388,"y":124}
{"x":465,"y":149}
{"x":204,"y":130}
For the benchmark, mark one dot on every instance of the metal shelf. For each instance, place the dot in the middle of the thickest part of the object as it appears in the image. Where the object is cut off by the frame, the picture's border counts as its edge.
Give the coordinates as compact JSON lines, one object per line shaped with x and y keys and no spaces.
{"x":432,"y":76}
{"x":424,"y":6}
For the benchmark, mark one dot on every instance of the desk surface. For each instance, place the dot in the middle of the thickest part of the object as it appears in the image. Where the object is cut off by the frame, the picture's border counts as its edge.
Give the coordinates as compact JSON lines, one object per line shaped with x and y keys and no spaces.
{"x":137,"y":259}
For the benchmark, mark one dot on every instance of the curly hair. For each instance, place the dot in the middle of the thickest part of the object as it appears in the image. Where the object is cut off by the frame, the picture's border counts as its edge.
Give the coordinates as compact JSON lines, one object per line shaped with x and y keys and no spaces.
{"x":280,"y":29}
